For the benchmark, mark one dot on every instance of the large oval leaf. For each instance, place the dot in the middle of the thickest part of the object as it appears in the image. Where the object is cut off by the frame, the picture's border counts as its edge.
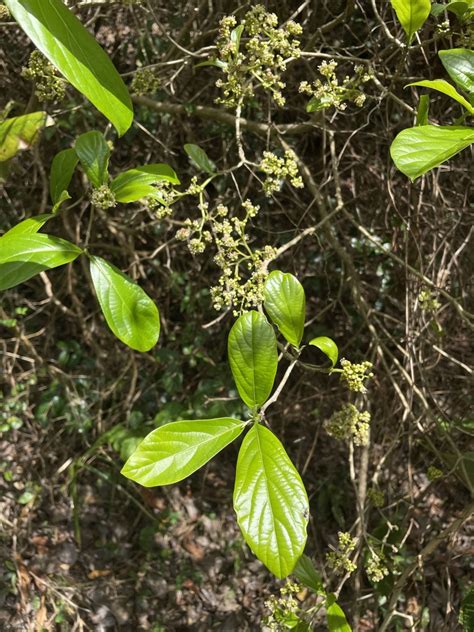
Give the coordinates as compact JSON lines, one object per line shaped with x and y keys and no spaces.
{"x":285,"y":303}
{"x":418,"y":149}
{"x":270,"y":501}
{"x":411,"y":14}
{"x":137,"y":183}
{"x":60,"y":36}
{"x":176,"y":450}
{"x":23,"y":255}
{"x":440,"y":85}
{"x":253,"y":357}
{"x":29,"y":225}
{"x":21,"y":132}
{"x":60,"y":175}
{"x":129,"y":311}
{"x":94,"y":153}
{"x":459,"y":64}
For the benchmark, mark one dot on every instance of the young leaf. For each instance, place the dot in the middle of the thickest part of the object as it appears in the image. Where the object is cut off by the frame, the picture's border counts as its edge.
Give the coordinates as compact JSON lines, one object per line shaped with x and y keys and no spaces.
{"x":270,"y":501}
{"x":23,"y":255}
{"x":422,"y":111}
{"x":446,"y":88}
{"x":27,"y":226}
{"x":94,"y":153}
{"x":253,"y":357}
{"x":200,"y":158}
{"x":328,"y":347}
{"x":60,"y":36}
{"x":336,"y":618}
{"x":306,"y":574}
{"x":21,"y":132}
{"x":60,"y":175}
{"x":137,"y":183}
{"x":417,"y":150}
{"x":411,"y":14}
{"x":129,"y":311}
{"x":176,"y":450}
{"x":285,"y":303}
{"x":459,"y":64}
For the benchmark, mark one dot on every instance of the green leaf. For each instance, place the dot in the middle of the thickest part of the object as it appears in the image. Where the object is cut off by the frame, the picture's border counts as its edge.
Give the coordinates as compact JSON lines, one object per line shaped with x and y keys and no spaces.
{"x":466,"y":618}
{"x":327,"y":346}
{"x":285,"y":303}
{"x":459,"y":64}
{"x":411,"y":14}
{"x":200,"y":158}
{"x":176,"y":450}
{"x":336,"y":618}
{"x":60,"y":175}
{"x":20,"y":132}
{"x":235,"y":36}
{"x":62,"y":198}
{"x":137,"y":183}
{"x":94,"y":153}
{"x":61,"y":37}
{"x":318,"y":103}
{"x":253,"y":357}
{"x":270,"y":501}
{"x":458,"y":7}
{"x":306,"y":574}
{"x":446,"y":88}
{"x":30,"y":225}
{"x":417,"y":150}
{"x":22,"y":256}
{"x":129,"y":311}
{"x":212,"y":62}
{"x":423,"y":108}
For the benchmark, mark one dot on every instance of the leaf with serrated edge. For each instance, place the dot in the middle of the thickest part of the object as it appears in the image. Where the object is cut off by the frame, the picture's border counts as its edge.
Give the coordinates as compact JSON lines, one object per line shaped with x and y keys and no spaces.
{"x":270,"y":501}
{"x":176,"y":450}
{"x":285,"y":303}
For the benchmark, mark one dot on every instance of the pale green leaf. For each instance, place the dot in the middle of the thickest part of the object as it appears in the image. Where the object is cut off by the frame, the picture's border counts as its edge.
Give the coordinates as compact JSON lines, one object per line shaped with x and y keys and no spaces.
{"x":285,"y":303}
{"x":417,"y":150}
{"x":61,"y":37}
{"x":218,"y":63}
{"x":137,"y":183}
{"x":253,"y":357}
{"x":62,"y":198}
{"x":411,"y":14}
{"x":459,"y":64}
{"x":60,"y":175}
{"x":176,"y":450}
{"x":130,"y":313}
{"x":306,"y":573}
{"x":94,"y":153}
{"x":440,"y":85}
{"x":336,"y":618}
{"x":20,"y":132}
{"x":30,"y":225}
{"x":200,"y":158}
{"x":270,"y":501}
{"x":24,"y":255}
{"x":235,"y":36}
{"x":327,"y":346}
{"x":458,"y":7}
{"x":422,"y":111}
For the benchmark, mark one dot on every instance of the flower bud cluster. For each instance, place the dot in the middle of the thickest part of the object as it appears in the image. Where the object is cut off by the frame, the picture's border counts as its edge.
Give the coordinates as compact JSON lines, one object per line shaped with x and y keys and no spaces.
{"x":376,"y":497}
{"x":427,"y":301}
{"x":328,"y":92}
{"x":339,"y":560}
{"x":145,"y":81}
{"x":4,"y":12}
{"x":283,"y":608}
{"x":48,"y":85}
{"x":375,"y":567}
{"x":160,"y":202}
{"x":103,"y":198}
{"x":349,"y":423}
{"x":277,"y":169}
{"x":356,"y":374}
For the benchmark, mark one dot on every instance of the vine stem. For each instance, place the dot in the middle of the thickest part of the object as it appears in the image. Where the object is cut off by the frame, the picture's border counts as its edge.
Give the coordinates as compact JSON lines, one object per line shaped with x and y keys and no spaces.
{"x":280,"y":387}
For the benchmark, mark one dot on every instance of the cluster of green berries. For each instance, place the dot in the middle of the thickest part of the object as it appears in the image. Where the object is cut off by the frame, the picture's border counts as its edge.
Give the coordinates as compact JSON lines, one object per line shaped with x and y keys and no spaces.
{"x":434,"y":473}
{"x":375,"y":567}
{"x":328,"y":92}
{"x":256,"y":51}
{"x":349,"y":424}
{"x":48,"y":85}
{"x":277,"y":169}
{"x":145,"y":81}
{"x":355,"y":375}
{"x":103,"y":198}
{"x":283,"y":609}
{"x":339,"y":559}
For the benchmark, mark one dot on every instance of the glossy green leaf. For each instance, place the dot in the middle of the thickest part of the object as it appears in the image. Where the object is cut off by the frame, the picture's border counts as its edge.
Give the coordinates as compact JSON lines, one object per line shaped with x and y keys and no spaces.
{"x":411,"y":14}
{"x":253,"y":357}
{"x":417,"y":150}
{"x":459,"y":64}
{"x":176,"y":450}
{"x":129,"y":311}
{"x":336,"y":618}
{"x":62,"y":198}
{"x":235,"y":36}
{"x":458,"y":7}
{"x":422,"y":111}
{"x":137,"y":183}
{"x":315,"y":104}
{"x":94,"y":153}
{"x":327,"y":346}
{"x":61,"y":37}
{"x":27,"y":226}
{"x":306,"y":574}
{"x":285,"y":303}
{"x":20,"y":132}
{"x":200,"y":158}
{"x":60,"y":175}
{"x":440,"y":85}
{"x":23,"y":255}
{"x":270,"y":501}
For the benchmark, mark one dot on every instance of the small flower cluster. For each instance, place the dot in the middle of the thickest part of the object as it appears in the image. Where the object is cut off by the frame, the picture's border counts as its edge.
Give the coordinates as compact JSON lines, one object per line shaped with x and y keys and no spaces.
{"x":434,"y":473}
{"x":4,"y":12}
{"x":348,"y":423}
{"x":339,"y":559}
{"x":329,"y":92}
{"x":103,"y":198}
{"x":160,"y":202}
{"x":283,"y":609}
{"x":375,"y":567}
{"x":277,"y":169}
{"x":376,"y":497}
{"x":427,"y":301}
{"x":145,"y":81}
{"x":356,"y":374}
{"x":49,"y":86}
{"x":262,"y":58}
